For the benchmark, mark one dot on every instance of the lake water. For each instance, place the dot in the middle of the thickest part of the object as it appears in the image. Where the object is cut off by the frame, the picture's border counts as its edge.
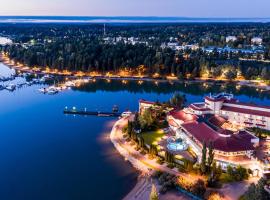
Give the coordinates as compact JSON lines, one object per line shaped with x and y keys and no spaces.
{"x":45,"y":154}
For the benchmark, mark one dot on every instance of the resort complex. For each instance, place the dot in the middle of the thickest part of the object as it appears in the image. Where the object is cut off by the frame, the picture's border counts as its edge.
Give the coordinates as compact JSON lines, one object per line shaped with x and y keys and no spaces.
{"x":223,"y":122}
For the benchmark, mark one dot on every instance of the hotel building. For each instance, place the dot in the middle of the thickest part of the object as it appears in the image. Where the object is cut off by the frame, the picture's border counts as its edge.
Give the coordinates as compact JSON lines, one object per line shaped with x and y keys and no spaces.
{"x":223,"y":121}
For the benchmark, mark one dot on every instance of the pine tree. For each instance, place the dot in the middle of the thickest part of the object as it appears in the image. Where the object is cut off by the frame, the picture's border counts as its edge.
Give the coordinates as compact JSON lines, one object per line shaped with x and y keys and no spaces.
{"x":153,"y":194}
{"x":203,"y":162}
{"x":211,"y":155}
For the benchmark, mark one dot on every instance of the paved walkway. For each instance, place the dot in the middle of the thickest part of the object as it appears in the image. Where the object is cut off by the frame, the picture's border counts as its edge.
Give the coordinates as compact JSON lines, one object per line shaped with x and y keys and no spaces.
{"x":232,"y":191}
{"x":141,"y":162}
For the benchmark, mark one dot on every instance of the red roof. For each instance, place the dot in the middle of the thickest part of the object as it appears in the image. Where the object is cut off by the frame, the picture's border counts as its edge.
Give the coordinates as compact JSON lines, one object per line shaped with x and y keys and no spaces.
{"x":146,"y":102}
{"x":217,"y":120}
{"x":203,"y":133}
{"x":246,"y":111}
{"x":260,"y":125}
{"x":181,"y":115}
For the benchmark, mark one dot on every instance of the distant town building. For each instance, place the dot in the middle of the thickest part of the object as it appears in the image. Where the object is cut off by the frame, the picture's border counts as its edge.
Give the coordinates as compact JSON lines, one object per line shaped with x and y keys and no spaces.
{"x":172,"y":45}
{"x":257,"y":40}
{"x":5,"y":41}
{"x":176,"y":46}
{"x":231,"y":39}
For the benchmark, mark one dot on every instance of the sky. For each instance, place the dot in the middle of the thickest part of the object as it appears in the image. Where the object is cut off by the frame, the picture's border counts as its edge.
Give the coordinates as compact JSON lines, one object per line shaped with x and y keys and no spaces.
{"x":181,"y":8}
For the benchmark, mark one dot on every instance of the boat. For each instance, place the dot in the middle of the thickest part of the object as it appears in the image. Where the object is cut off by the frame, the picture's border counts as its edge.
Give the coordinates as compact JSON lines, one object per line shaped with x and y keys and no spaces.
{"x":115,"y":109}
{"x":11,"y":87}
{"x":70,"y":84}
{"x":104,"y":115}
{"x":52,"y":90}
{"x":42,"y":90}
{"x":126,"y":114}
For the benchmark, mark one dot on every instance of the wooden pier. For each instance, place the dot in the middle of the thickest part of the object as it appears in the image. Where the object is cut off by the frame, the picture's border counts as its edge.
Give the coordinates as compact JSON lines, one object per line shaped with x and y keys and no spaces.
{"x":93,"y":113}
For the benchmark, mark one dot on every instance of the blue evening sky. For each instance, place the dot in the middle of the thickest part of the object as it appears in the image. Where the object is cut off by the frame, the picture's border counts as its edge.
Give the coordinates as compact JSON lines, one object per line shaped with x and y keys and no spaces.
{"x":182,"y":8}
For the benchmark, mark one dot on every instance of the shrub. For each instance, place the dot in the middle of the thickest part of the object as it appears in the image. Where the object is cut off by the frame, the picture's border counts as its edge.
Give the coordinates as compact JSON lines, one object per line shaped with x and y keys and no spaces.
{"x":171,"y":165}
{"x":199,"y":188}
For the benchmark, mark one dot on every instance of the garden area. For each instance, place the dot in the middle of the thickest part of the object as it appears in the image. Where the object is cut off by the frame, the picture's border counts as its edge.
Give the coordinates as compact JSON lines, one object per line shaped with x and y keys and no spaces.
{"x":152,"y":136}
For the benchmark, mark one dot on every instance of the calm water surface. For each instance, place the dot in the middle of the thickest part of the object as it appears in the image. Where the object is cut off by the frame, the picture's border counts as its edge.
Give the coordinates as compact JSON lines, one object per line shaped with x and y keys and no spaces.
{"x":45,"y":154}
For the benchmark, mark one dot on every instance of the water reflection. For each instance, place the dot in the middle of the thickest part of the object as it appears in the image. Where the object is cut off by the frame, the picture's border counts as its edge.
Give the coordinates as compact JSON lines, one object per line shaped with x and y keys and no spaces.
{"x":197,"y":89}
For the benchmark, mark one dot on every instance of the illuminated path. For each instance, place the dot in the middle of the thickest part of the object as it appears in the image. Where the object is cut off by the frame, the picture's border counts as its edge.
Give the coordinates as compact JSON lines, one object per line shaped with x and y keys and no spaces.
{"x":140,"y":162}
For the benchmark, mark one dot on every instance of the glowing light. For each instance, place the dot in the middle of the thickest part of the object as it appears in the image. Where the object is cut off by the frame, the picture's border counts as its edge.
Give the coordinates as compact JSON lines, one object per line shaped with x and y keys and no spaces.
{"x":80,"y":74}
{"x":124,"y":81}
{"x":140,"y":82}
{"x":156,"y":75}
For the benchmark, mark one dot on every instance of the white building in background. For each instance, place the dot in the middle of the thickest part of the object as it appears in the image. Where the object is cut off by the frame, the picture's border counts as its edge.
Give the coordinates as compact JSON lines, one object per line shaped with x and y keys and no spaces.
{"x":257,"y":40}
{"x":231,"y":39}
{"x":5,"y":41}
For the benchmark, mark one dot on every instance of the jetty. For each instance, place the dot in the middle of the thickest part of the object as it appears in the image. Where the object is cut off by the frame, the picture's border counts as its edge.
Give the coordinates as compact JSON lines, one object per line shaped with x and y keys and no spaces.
{"x":84,"y":112}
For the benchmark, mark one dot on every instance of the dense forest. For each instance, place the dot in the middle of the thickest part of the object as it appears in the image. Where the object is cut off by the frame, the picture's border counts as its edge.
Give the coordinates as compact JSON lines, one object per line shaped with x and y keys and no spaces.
{"x":86,"y":48}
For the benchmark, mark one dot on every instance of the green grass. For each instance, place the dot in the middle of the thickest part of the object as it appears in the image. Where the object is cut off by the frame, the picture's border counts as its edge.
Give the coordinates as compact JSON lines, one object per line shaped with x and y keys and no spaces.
{"x":225,"y":178}
{"x":152,"y":136}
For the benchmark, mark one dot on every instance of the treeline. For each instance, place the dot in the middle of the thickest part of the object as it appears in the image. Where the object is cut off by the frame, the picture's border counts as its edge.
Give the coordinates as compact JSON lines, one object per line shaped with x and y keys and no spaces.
{"x":81,"y":47}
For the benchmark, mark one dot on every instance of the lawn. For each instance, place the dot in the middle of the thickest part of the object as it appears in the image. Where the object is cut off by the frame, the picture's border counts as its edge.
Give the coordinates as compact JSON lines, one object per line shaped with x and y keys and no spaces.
{"x":225,"y":178}
{"x":152,"y":136}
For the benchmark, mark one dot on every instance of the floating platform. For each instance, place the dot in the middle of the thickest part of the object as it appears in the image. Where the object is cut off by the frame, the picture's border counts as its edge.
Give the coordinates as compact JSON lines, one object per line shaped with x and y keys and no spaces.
{"x":93,"y":113}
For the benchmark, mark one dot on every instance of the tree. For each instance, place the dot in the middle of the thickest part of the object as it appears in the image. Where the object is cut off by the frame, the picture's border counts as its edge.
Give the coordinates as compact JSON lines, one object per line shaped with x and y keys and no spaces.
{"x":153,"y":150}
{"x":177,"y":100}
{"x":237,"y":174}
{"x":136,"y":122}
{"x":153,"y":194}
{"x":146,"y":119}
{"x":241,"y":173}
{"x":169,"y":157}
{"x":265,"y":74}
{"x":199,"y":188}
{"x":257,"y":192}
{"x":203,"y":161}
{"x":214,"y":176}
{"x":231,"y":74}
{"x":211,"y":155}
{"x":129,"y":129}
{"x":141,"y":142}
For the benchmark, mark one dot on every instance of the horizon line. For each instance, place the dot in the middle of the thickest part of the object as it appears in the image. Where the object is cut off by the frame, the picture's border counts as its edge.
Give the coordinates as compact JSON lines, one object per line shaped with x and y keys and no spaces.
{"x":137,"y":16}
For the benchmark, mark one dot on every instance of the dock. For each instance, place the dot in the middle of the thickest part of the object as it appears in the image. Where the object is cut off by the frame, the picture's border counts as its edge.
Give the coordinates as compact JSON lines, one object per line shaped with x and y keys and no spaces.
{"x":91,"y":113}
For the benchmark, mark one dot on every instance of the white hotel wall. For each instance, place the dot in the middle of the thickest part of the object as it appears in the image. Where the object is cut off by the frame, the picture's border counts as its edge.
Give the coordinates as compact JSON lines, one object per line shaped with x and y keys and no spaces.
{"x":240,"y":117}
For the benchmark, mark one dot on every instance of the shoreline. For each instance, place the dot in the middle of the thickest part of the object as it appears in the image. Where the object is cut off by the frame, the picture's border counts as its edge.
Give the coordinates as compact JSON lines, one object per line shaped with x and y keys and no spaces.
{"x":140,"y":162}
{"x":250,"y":83}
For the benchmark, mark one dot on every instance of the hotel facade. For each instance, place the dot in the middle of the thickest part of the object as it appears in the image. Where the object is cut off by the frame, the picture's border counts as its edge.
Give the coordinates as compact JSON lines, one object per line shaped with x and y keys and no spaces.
{"x":223,"y":121}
